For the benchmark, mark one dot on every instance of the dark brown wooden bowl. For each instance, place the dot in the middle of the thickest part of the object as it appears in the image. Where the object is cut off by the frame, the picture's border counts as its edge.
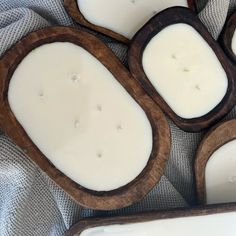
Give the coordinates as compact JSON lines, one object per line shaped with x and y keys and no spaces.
{"x":74,"y":11}
{"x":227,"y":35}
{"x":84,"y":224}
{"x":141,"y":39}
{"x":153,"y":171}
{"x":217,"y":137}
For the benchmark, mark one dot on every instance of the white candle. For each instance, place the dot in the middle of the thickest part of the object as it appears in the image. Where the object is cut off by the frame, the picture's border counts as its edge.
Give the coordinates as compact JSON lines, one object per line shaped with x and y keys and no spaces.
{"x":185,"y":71}
{"x":80,"y":117}
{"x":220,"y":175}
{"x":217,"y":225}
{"x":233,"y":43}
{"x":125,"y":17}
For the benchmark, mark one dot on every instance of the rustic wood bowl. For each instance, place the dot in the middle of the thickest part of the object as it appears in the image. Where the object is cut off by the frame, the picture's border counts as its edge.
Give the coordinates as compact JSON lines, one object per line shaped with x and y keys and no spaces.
{"x":142,"y":38}
{"x":217,"y":137}
{"x":121,"y":197}
{"x":84,"y":224}
{"x":74,"y":11}
{"x":227,"y":35}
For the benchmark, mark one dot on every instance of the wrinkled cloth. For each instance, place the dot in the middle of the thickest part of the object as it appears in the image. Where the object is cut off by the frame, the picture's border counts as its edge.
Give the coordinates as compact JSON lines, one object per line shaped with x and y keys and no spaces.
{"x":30,"y":202}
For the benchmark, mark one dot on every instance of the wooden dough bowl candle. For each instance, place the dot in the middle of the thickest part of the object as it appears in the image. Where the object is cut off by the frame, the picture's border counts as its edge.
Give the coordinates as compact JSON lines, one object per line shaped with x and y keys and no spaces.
{"x":215,"y":220}
{"x":118,"y":19}
{"x":215,"y":166}
{"x":72,"y":107}
{"x":228,"y":38}
{"x":183,"y":69}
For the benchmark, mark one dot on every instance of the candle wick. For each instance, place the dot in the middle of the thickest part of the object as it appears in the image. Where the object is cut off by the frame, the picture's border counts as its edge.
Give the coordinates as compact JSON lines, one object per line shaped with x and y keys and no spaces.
{"x":133,"y":1}
{"x":173,"y":56}
{"x":119,"y":127}
{"x":99,"y":107}
{"x":75,"y":78}
{"x":41,"y":94}
{"x":197,"y":87}
{"x":186,"y":70}
{"x":76,"y":123}
{"x":99,"y":154}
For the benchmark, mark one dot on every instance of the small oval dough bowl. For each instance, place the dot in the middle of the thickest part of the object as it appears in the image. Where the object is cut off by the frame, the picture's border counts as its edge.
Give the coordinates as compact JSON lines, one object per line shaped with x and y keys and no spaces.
{"x":74,"y":11}
{"x":158,"y":24}
{"x":107,"y":200}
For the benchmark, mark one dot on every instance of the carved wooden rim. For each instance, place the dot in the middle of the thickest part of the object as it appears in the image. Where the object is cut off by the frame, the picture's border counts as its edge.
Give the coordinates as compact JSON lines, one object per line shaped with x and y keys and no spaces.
{"x":78,"y":228}
{"x":217,"y":137}
{"x":142,"y":38}
{"x":152,"y":173}
{"x":74,"y":11}
{"x":227,"y":35}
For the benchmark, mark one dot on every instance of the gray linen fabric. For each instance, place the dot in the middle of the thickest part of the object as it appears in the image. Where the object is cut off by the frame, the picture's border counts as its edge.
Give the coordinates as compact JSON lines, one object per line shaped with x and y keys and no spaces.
{"x":30,"y":202}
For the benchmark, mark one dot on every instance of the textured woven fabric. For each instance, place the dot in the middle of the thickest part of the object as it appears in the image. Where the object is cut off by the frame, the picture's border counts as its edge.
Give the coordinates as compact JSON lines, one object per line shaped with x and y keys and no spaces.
{"x":30,"y":203}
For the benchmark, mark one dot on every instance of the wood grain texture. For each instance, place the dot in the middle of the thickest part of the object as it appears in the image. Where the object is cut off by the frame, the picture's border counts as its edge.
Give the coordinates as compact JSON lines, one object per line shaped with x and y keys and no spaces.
{"x":142,"y":38}
{"x":217,"y":137}
{"x":153,"y":171}
{"x":73,"y":10}
{"x":227,"y":35}
{"x":78,"y":228}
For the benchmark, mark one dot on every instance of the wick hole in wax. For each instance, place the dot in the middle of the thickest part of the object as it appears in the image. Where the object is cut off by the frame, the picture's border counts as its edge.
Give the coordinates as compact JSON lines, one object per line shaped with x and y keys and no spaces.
{"x":99,"y":107}
{"x":76,"y":124}
{"x":186,"y":69}
{"x":119,"y":127}
{"x":173,"y":56}
{"x":99,"y":155}
{"x":75,"y":78}
{"x":133,"y":1}
{"x":232,"y":179}
{"x":41,"y":94}
{"x":197,"y":87}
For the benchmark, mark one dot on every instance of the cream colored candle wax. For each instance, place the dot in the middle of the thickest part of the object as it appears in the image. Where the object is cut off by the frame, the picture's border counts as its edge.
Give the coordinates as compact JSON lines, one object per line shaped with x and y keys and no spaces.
{"x":185,"y":71}
{"x":125,"y":17}
{"x":217,"y":225}
{"x":80,"y":117}
{"x":220,"y":175}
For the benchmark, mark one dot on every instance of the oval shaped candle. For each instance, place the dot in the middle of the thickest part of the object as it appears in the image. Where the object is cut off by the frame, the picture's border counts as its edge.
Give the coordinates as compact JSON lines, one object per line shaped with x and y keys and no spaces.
{"x":185,"y":71}
{"x":125,"y":17}
{"x":80,"y":117}
{"x":217,"y":225}
{"x":220,"y":175}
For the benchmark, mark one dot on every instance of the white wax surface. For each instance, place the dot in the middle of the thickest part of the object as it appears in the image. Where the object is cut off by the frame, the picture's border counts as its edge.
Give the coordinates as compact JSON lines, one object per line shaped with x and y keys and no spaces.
{"x":220,"y":175}
{"x":125,"y":17}
{"x":211,"y":225}
{"x":185,"y":71}
{"x":80,"y":117}
{"x":233,"y":43}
